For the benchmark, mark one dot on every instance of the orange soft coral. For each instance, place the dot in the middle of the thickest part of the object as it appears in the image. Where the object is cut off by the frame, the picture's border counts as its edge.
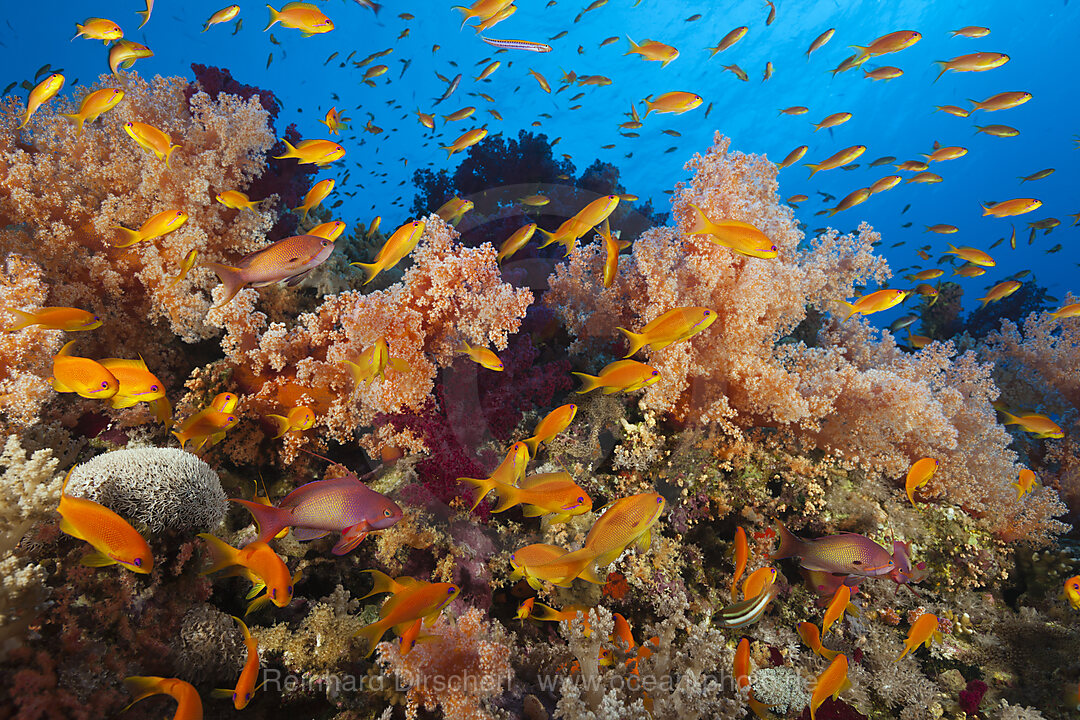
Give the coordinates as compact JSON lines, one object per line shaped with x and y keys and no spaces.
{"x":451,"y":293}
{"x":849,"y":391}
{"x":462,"y":663}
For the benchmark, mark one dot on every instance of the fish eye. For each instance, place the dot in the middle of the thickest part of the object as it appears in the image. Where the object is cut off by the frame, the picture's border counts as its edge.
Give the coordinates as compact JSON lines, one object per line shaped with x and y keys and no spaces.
{"x":707,"y":313}
{"x":104,"y":383}
{"x":153,"y":388}
{"x":273,"y":592}
{"x":659,"y":500}
{"x":232,"y":419}
{"x":451,"y":590}
{"x":138,"y":562}
{"x":655,"y":372}
{"x":387,"y":512}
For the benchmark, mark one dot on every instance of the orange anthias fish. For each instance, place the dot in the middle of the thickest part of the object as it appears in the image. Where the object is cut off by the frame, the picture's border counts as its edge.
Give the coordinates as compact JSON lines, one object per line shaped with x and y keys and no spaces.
{"x":523,"y":560}
{"x":1000,"y":291}
{"x":875,"y":302}
{"x":509,"y":471}
{"x":973,"y":62}
{"x":245,"y":686}
{"x":481,"y":356}
{"x":741,"y":237}
{"x":99,"y":29}
{"x":1067,"y":311}
{"x":742,"y":556}
{"x":236,"y":200}
{"x":313,"y":152}
{"x":1009,"y":208}
{"x":373,"y":363}
{"x":454,"y":209}
{"x":837,"y":159}
{"x":671,"y":327}
{"x":923,"y":631}
{"x":401,"y":243}
{"x":653,"y":50}
{"x":330,"y":230}
{"x":185,"y":265}
{"x":1001,"y":101}
{"x":676,"y":102}
{"x":519,"y":239}
{"x":54,"y":318}
{"x":318,"y":192}
{"x":137,"y":383}
{"x":114,"y":541}
{"x":532,"y":610}
{"x":1072,"y":591}
{"x":748,"y":611}
{"x":620,"y":376}
{"x":413,"y":600}
{"x":832,"y":681}
{"x":188,"y":703}
{"x":124,"y":54}
{"x":207,"y":425}
{"x":334,"y":121}
{"x":1025,"y":483}
{"x":554,"y":495}
{"x":156,"y":226}
{"x":918,"y":475}
{"x":223,"y":15}
{"x":466,"y":141}
{"x":299,"y":419}
{"x":834,"y":611}
{"x":258,"y":563}
{"x":41,"y":94}
{"x":627,"y":521}
{"x":553,"y":423}
{"x":93,"y":105}
{"x":83,"y":376}
{"x":893,"y":42}
{"x":842,"y":554}
{"x":302,"y":16}
{"x":288,"y":260}
{"x":972,"y":255}
{"x":612,"y":246}
{"x":794,"y":156}
{"x":1036,"y":423}
{"x":810,"y":635}
{"x":151,"y":139}
{"x":856,"y":197}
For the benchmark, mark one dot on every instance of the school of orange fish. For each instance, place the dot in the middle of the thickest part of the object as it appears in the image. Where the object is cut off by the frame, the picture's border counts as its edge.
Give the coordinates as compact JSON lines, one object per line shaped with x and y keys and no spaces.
{"x":835,"y":565}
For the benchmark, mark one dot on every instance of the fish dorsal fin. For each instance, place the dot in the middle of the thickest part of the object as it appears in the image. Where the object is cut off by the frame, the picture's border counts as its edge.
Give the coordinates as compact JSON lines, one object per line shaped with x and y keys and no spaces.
{"x":543,"y":478}
{"x":110,"y":363}
{"x":66,"y":350}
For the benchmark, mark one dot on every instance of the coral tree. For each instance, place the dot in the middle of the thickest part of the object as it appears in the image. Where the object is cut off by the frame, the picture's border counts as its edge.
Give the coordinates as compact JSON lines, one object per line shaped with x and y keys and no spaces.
{"x":850,"y":393}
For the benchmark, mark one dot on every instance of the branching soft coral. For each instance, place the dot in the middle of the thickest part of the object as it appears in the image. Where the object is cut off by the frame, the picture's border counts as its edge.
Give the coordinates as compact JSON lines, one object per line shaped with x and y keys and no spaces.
{"x":450,"y":294}
{"x":464,"y":662}
{"x":856,"y":395}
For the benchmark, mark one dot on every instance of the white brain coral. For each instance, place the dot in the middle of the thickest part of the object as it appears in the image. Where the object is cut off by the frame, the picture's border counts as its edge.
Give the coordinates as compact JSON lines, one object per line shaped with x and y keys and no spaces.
{"x":160,"y":488}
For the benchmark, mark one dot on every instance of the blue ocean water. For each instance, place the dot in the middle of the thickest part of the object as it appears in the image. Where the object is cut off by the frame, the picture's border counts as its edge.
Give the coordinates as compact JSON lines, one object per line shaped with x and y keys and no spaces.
{"x":894,"y":117}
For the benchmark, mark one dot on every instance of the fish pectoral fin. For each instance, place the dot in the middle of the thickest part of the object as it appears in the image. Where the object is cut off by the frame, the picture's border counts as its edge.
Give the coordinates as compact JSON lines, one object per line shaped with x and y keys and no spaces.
{"x":533,"y":511}
{"x":67,"y":527}
{"x":297,"y":279}
{"x":350,"y":538}
{"x":257,"y":604}
{"x":122,"y":401}
{"x":644,"y":541}
{"x":304,"y":534}
{"x":98,"y":559}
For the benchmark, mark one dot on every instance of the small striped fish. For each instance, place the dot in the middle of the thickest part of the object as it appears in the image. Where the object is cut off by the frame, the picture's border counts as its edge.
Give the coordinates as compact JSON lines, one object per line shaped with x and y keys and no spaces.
{"x":517,"y":45}
{"x":746,"y":612}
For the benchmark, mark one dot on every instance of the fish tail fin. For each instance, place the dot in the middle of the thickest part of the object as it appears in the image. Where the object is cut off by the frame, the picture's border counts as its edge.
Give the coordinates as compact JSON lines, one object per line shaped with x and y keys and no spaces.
{"x":549,"y":235}
{"x":851,"y":310}
{"x":701,"y":222}
{"x":231,"y":278}
{"x":75,"y":118}
{"x":464,"y":11}
{"x":789,"y":544}
{"x":290,"y":150}
{"x":450,"y":150}
{"x":540,"y":611}
{"x":25,"y":319}
{"x":976,"y":104}
{"x":509,"y":496}
{"x":944,"y":66}
{"x":648,"y":106}
{"x":592,"y":574}
{"x":985,"y":301}
{"x":635,"y":340}
{"x":370,"y":269}
{"x":271,"y":520}
{"x":275,"y":17}
{"x":168,"y":154}
{"x":483,"y":487}
{"x":371,"y":634}
{"x":130,"y":237}
{"x":533,"y":443}
{"x":222,"y":554}
{"x":633,"y":46}
{"x":145,"y":15}
{"x":281,"y":425}
{"x":815,"y":167}
{"x":141,"y":687}
{"x":381,"y":583}
{"x":588,"y":383}
{"x":1019,"y":490}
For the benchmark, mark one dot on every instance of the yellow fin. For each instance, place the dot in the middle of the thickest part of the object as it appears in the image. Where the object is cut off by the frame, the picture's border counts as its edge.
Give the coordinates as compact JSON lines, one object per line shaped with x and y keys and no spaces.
{"x":97,"y":559}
